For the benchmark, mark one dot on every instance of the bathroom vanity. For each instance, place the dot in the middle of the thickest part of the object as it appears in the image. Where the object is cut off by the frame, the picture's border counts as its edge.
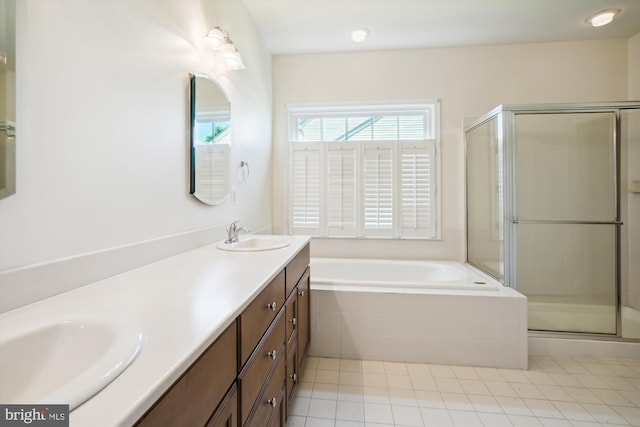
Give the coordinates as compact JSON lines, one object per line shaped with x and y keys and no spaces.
{"x":246,"y":377}
{"x":222,"y":335}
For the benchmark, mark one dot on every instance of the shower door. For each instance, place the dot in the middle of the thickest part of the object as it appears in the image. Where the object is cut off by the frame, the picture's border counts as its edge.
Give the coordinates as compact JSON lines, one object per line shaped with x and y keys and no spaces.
{"x":566,"y":219}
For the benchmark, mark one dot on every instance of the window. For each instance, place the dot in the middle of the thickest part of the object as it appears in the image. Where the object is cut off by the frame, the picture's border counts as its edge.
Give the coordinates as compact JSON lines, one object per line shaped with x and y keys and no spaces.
{"x":367,"y":171}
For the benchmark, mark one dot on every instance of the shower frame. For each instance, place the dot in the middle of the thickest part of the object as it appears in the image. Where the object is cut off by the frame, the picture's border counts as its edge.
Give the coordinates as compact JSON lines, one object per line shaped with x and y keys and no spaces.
{"x":506,"y":135}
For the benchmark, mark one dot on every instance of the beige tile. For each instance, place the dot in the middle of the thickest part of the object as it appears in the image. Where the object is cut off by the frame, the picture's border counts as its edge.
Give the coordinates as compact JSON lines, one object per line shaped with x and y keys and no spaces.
{"x":442,"y":371}
{"x":514,"y":376}
{"x":514,"y":406}
{"x":395,"y":368}
{"x":527,"y":391}
{"x":489,"y":374}
{"x":348,"y":365}
{"x":402,"y":396}
{"x":398,"y":381}
{"x":485,"y":404}
{"x":429,"y":399}
{"x":322,"y":408}
{"x":378,"y":413}
{"x":458,"y":401}
{"x":418,"y":369}
{"x":329,"y":364}
{"x":449,"y":385}
{"x":374,"y":380}
{"x":543,"y":408}
{"x":350,"y":393}
{"x":377,"y":395}
{"x":500,"y":389}
{"x":350,"y":411}
{"x":465,"y":372}
{"x":324,"y":391}
{"x":423,"y":382}
{"x":406,"y":416}
{"x":326,"y":376}
{"x":604,"y":414}
{"x":373,"y":366}
{"x":350,"y":378}
{"x":475,"y":387}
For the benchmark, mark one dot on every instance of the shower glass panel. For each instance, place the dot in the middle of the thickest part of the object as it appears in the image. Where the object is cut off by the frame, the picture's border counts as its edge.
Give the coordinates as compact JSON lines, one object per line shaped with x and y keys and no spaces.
{"x":565,"y":219}
{"x":485,"y":207}
{"x":568,"y":273}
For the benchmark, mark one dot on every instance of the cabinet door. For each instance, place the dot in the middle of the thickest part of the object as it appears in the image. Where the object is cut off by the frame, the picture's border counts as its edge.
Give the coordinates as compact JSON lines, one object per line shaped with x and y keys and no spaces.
{"x":292,"y":319}
{"x":292,"y":372}
{"x":227,"y":413}
{"x":303,"y":325}
{"x":195,"y":396}
{"x":279,"y":416}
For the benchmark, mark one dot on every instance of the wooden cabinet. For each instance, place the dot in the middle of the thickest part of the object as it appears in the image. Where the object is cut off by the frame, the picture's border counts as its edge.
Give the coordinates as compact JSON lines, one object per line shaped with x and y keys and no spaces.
{"x":195,"y":396}
{"x":246,"y":377}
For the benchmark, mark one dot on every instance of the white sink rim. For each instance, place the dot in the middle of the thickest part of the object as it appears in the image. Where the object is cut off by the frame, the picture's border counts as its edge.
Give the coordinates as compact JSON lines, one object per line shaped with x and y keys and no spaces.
{"x":122,"y":351}
{"x":256,"y":243}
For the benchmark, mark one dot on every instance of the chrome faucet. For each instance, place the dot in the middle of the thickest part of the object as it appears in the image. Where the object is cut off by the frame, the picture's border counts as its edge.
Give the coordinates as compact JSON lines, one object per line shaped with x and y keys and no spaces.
{"x":233,"y":230}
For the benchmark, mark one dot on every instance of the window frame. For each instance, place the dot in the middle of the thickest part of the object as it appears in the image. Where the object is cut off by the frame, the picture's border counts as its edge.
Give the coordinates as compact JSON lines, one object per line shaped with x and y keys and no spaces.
{"x":429,"y":109}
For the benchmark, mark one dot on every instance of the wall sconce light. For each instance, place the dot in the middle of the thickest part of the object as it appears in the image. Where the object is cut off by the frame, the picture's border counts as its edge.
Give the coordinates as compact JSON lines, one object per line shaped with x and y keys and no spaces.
{"x":224,"y":49}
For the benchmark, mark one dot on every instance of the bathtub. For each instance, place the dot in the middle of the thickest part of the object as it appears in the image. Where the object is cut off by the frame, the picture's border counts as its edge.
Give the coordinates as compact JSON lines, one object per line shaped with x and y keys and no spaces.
{"x":441,"y":312}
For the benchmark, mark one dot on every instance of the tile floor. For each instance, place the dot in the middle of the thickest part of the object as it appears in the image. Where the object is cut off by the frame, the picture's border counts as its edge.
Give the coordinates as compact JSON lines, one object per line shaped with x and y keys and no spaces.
{"x":555,"y":391}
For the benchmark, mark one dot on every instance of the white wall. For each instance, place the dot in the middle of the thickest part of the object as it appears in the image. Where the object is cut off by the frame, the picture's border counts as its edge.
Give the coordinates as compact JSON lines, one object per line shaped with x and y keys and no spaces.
{"x":469,"y":81}
{"x":103,"y":113}
{"x":632,"y":297}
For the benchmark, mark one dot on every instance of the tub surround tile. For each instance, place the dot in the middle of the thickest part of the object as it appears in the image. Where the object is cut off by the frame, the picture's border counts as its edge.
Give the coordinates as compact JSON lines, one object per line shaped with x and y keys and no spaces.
{"x":473,"y":329}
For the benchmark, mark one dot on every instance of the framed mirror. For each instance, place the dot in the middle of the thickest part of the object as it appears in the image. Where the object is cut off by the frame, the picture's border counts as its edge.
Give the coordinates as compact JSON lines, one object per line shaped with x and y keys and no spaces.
{"x":210,"y":140}
{"x":7,"y":98}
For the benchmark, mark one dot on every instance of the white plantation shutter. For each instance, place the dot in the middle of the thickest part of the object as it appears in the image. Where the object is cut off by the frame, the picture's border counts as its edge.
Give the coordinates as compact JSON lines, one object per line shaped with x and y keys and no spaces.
{"x":212,"y":170}
{"x":364,"y":171}
{"x":378,"y":189}
{"x":342,"y":191}
{"x":306,"y":197}
{"x":417,"y":189}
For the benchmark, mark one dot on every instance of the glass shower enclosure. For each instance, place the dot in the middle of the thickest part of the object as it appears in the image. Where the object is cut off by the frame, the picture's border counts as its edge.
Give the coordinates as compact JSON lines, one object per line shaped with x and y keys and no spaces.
{"x":544,"y":209}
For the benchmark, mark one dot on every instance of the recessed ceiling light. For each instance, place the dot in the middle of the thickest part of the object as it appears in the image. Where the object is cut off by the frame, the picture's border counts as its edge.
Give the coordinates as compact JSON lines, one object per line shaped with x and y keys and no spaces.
{"x":359,"y":35}
{"x":603,"y":18}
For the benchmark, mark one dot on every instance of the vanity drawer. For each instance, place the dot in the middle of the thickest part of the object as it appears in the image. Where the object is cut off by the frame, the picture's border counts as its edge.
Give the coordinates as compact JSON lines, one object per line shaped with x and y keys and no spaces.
{"x":257,"y":317}
{"x":295,"y":269}
{"x":271,"y":402}
{"x":195,"y":396}
{"x":269,"y":352}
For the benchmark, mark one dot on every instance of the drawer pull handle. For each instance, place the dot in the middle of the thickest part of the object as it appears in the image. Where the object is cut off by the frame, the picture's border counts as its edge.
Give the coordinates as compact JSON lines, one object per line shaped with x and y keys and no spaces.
{"x":294,"y":377}
{"x":301,"y":293}
{"x":273,"y":402}
{"x":272,"y":354}
{"x":272,"y":306}
{"x":293,"y":321}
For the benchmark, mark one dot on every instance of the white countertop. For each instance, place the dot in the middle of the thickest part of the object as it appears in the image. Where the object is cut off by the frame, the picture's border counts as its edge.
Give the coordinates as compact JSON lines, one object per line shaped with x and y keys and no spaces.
{"x":182,"y":303}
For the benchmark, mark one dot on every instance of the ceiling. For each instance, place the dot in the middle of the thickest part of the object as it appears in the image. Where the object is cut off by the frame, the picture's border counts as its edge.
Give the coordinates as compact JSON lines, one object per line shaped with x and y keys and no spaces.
{"x":314,"y":26}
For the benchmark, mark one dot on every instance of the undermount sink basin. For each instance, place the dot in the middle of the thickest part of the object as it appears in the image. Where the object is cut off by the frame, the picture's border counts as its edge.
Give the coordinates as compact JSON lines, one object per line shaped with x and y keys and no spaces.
{"x":256,"y":243}
{"x":65,"y":361}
